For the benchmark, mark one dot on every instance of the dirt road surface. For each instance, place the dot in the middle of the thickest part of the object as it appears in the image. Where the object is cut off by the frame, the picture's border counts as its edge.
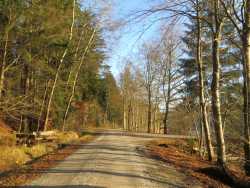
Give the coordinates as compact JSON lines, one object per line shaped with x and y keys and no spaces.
{"x":112,"y":161}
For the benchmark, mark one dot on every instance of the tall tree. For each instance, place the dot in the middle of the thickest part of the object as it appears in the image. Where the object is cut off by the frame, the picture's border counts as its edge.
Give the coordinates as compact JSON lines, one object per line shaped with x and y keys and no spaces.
{"x":238,"y":13}
{"x":216,"y":28}
{"x":199,"y":62}
{"x":150,"y":77}
{"x":171,"y":79}
{"x":77,"y":75}
{"x":59,"y":67}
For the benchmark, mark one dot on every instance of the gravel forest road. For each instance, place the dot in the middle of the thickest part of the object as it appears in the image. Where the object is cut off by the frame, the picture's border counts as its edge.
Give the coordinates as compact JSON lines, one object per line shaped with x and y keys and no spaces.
{"x":112,"y":161}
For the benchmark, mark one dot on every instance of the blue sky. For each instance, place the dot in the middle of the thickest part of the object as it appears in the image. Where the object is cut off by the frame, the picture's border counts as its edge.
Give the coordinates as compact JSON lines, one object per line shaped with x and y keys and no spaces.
{"x":130,"y":39}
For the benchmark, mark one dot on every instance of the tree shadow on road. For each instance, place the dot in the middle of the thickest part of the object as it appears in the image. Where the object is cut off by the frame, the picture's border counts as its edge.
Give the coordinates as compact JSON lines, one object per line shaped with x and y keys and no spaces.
{"x":60,"y":186}
{"x":118,"y":174}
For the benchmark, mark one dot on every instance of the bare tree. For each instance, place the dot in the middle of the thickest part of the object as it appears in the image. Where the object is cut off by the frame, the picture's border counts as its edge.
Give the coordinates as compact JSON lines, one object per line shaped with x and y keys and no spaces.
{"x":170,"y":79}
{"x":150,"y":78}
{"x":173,"y":10}
{"x":135,"y":105}
{"x":126,"y":81}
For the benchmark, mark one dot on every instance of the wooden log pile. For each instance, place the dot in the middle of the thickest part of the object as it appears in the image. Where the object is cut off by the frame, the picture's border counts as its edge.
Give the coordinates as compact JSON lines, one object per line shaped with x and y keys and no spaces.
{"x":30,"y":139}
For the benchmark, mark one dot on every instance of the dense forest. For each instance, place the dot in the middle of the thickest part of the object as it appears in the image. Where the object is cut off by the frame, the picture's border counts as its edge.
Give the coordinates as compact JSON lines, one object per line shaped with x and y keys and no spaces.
{"x":193,"y":78}
{"x":53,"y":73}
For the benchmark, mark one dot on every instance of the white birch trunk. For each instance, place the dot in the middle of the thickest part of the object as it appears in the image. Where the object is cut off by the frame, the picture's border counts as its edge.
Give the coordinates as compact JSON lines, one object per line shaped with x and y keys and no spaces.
{"x":59,"y":69}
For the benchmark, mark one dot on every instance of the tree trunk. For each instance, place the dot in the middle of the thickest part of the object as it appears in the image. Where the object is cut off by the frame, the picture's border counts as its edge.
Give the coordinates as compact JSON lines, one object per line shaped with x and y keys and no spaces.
{"x":130,"y":116}
{"x":2,"y":70}
{"x":149,"y":110}
{"x":42,"y":107}
{"x":216,"y":105}
{"x":154,"y":119}
{"x":24,"y":90}
{"x":201,"y":88}
{"x":59,"y":69}
{"x":124,"y":113}
{"x":165,"y":120}
{"x":167,"y":98}
{"x":20,"y":124}
{"x":201,"y":138}
{"x":76,"y":78}
{"x":215,"y":89}
{"x":246,"y":89}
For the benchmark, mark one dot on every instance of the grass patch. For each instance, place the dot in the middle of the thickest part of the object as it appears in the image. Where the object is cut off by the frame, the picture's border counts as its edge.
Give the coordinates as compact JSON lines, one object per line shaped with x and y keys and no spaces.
{"x":67,"y":137}
{"x":15,"y":156}
{"x":31,"y":171}
{"x":73,"y":138}
{"x":38,"y":150}
{"x":11,"y":157}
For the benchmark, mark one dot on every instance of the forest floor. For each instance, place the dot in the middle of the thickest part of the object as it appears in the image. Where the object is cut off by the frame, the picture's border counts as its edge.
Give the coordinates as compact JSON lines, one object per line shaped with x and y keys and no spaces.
{"x":180,"y":155}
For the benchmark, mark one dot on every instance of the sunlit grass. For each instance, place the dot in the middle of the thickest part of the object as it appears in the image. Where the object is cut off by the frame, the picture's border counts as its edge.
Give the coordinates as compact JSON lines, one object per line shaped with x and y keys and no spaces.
{"x":12,"y":156}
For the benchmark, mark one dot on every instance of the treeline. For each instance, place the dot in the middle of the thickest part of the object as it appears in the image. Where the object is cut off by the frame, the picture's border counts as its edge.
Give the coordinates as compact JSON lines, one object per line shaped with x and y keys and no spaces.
{"x":150,"y":86}
{"x":196,"y":81}
{"x":52,"y":71}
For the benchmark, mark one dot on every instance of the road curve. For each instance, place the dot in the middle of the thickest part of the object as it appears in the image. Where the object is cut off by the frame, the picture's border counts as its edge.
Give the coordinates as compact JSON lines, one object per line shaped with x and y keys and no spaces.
{"x":111,"y":161}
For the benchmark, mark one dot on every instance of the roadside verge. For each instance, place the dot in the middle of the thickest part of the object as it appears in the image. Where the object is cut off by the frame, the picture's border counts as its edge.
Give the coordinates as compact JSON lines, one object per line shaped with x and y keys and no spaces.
{"x":34,"y":168}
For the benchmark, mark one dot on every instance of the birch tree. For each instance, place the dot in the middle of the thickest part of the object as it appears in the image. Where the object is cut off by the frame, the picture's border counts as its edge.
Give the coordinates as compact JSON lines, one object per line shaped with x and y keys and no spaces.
{"x":191,"y":9}
{"x":77,"y":75}
{"x":238,"y":12}
{"x":59,"y":67}
{"x":203,"y":105}
{"x":216,"y":29}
